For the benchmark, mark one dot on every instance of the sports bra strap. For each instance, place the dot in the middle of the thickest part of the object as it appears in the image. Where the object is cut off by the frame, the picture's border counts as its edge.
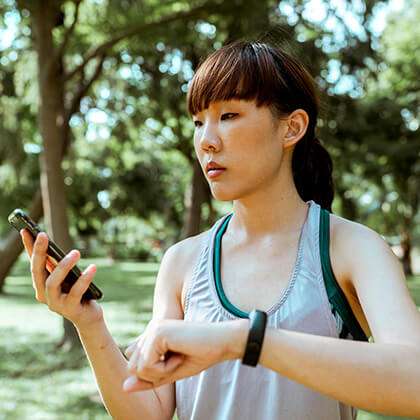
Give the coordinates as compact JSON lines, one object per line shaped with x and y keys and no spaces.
{"x":335,"y":295}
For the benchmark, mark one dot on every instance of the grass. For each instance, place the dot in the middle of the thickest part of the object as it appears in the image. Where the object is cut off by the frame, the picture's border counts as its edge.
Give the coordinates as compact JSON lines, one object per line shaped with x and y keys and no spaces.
{"x":39,"y":382}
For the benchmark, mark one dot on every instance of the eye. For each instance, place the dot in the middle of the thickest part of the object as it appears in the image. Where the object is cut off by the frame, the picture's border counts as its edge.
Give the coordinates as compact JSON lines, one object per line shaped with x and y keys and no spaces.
{"x":197,"y":123}
{"x":228,"y":115}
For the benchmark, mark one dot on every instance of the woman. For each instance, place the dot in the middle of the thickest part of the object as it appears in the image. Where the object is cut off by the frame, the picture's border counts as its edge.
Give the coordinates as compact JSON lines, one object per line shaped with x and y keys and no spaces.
{"x":255,"y":112}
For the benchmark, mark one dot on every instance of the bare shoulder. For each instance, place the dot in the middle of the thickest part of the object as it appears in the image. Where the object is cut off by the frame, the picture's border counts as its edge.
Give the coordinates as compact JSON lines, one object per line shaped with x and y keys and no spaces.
{"x":187,"y":249}
{"x":350,"y":243}
{"x":178,"y":264}
{"x":342,"y":226}
{"x":349,"y":240}
{"x":363,"y":258}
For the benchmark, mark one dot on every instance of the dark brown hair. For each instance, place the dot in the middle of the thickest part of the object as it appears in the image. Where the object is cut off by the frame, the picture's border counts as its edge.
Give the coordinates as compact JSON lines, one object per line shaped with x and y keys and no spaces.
{"x":270,"y":76}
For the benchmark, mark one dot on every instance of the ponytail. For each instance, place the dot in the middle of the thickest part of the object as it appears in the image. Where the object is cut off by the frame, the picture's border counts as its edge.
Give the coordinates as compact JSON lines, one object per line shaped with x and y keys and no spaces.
{"x":312,"y":172}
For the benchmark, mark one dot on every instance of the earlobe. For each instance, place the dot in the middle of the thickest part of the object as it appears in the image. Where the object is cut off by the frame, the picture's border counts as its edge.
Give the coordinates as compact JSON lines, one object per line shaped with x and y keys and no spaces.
{"x":291,"y":140}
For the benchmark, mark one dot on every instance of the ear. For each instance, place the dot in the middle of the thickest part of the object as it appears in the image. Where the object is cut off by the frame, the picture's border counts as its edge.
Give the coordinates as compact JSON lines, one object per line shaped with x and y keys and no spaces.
{"x":297,"y":123}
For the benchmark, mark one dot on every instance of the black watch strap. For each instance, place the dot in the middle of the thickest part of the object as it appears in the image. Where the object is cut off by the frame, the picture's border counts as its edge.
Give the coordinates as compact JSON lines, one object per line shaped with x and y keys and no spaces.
{"x":258,"y":321}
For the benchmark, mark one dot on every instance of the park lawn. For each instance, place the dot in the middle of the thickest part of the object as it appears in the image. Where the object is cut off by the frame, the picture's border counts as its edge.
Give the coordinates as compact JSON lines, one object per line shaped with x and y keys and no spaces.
{"x":40,"y":382}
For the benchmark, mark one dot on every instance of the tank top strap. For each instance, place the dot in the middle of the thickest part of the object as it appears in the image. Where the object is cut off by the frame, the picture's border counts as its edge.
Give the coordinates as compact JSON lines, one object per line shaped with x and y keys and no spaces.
{"x":310,"y":241}
{"x":200,"y":270}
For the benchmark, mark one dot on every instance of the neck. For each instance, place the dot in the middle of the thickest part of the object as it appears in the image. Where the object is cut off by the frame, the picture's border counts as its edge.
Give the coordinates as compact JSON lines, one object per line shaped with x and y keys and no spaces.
{"x":272,"y":211}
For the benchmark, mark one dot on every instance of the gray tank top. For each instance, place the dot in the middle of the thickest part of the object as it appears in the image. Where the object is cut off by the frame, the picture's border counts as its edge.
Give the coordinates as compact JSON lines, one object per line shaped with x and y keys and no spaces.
{"x":232,"y":391}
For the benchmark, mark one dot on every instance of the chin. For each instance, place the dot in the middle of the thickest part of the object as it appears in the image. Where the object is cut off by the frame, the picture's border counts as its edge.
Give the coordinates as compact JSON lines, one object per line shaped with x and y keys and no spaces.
{"x":220,"y":193}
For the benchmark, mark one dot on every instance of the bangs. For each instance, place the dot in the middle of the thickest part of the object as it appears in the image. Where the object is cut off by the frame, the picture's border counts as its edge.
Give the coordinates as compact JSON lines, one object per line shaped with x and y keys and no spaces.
{"x":240,"y":70}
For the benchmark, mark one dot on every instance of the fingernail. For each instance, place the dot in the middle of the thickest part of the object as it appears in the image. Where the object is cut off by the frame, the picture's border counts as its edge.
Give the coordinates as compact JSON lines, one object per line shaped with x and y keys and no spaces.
{"x":42,"y":238}
{"x":73,"y":253}
{"x":90,"y":269}
{"x":129,"y":383}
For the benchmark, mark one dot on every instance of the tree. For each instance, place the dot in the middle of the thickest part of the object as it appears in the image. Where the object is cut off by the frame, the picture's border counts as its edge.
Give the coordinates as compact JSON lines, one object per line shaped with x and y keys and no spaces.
{"x":61,"y":88}
{"x":394,"y":97}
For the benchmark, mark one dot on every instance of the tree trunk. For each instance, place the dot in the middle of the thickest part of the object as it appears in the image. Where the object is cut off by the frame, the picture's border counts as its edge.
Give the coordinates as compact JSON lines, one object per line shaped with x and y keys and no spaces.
{"x":406,"y":252}
{"x":54,"y":129}
{"x":13,"y":244}
{"x":212,"y":212}
{"x":195,"y":196}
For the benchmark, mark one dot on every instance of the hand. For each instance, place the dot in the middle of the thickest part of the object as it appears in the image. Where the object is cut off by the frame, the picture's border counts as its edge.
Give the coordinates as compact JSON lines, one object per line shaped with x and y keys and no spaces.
{"x":169,"y":350}
{"x":48,"y":285}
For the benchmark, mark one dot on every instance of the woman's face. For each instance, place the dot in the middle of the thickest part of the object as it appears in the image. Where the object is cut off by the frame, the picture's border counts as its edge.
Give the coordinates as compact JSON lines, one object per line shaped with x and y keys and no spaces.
{"x":243,"y":139}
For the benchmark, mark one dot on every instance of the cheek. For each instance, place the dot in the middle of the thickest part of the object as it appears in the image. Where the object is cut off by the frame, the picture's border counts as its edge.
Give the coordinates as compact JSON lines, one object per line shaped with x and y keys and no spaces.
{"x":254,"y":150}
{"x":199,"y":152}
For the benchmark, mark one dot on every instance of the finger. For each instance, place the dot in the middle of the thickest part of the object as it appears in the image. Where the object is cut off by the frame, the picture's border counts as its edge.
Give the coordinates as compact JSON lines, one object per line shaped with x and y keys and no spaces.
{"x":39,"y":254}
{"x":158,"y":369}
{"x":38,"y":271}
{"x":82,"y":284}
{"x":132,"y":384}
{"x":50,"y":264}
{"x":173,"y":372}
{"x":167,"y":374}
{"x":130,"y":349}
{"x":137,"y":343}
{"x":53,"y":283}
{"x":28,"y":241}
{"x":132,"y":363}
{"x":170,"y":365}
{"x":161,"y":371}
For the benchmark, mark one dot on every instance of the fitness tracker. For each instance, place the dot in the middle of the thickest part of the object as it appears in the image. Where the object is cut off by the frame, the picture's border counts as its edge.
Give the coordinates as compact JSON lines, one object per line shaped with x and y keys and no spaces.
{"x":258,"y":321}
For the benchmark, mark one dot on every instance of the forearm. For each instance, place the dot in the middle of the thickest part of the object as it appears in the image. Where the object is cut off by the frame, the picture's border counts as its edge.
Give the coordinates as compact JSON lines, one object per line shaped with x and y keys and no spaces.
{"x":383,"y":378}
{"x":110,"y":369}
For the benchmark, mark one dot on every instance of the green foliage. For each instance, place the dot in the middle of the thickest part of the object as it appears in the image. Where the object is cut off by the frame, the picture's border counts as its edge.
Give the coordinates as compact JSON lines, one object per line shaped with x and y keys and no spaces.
{"x":132,"y":145}
{"x":391,"y":108}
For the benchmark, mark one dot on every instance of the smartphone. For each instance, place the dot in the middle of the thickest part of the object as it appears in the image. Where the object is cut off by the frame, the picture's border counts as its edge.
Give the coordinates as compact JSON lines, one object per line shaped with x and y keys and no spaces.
{"x":20,"y":220}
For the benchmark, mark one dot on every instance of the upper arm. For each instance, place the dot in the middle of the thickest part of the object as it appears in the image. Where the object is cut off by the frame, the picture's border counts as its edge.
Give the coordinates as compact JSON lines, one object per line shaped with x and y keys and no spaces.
{"x":166,"y":300}
{"x":379,"y":282}
{"x":174,"y":269}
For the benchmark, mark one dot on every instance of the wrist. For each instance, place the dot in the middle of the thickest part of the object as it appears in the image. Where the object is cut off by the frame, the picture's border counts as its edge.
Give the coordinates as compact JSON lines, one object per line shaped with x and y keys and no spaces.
{"x":258,"y":324}
{"x":91,"y":327}
{"x":238,"y":334}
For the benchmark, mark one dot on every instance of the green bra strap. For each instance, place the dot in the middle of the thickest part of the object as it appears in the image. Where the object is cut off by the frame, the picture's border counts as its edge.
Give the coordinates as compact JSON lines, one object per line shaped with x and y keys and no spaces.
{"x":335,"y":294}
{"x":216,"y":264}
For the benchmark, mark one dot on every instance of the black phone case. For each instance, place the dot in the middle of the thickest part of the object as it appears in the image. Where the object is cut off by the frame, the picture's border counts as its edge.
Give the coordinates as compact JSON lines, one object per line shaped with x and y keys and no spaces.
{"x":20,"y":220}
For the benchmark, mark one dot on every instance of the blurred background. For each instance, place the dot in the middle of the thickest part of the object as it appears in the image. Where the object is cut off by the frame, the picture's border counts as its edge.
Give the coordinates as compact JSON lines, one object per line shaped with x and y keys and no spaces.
{"x":96,"y":143}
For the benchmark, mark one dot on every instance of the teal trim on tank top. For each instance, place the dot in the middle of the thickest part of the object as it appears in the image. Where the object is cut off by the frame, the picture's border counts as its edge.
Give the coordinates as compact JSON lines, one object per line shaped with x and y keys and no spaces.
{"x":216,"y":264}
{"x":335,"y":295}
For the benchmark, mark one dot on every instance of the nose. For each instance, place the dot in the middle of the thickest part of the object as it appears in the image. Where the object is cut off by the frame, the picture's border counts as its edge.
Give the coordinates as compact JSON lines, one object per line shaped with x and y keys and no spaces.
{"x":209,"y":138}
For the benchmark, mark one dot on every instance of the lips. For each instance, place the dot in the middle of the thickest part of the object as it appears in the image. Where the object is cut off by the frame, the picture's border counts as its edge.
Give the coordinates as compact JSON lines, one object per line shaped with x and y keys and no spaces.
{"x":213,"y":165}
{"x":213,"y":173}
